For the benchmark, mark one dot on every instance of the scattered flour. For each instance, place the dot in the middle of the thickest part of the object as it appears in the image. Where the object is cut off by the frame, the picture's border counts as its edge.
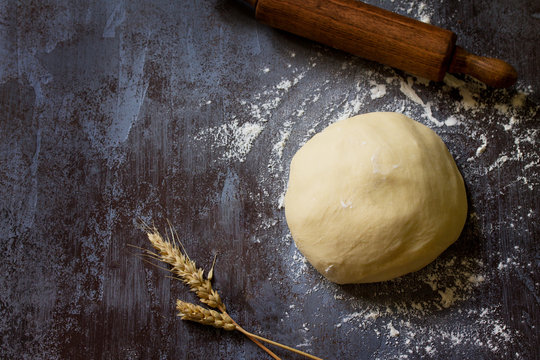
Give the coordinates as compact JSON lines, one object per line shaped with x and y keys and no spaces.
{"x":468,"y":98}
{"x":498,"y":163}
{"x":451,"y":121}
{"x":447,"y":297}
{"x":275,"y":163}
{"x":377,"y":90}
{"x":236,"y":139}
{"x":482,"y":147}
{"x":393,"y":332}
{"x":278,"y":147}
{"x":281,"y":201}
{"x":284,"y":85}
{"x":407,"y":89}
{"x":419,"y":10}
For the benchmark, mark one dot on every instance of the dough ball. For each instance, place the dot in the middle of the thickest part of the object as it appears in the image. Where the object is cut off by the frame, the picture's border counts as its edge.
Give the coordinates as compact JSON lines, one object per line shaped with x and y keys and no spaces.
{"x":374,"y":197}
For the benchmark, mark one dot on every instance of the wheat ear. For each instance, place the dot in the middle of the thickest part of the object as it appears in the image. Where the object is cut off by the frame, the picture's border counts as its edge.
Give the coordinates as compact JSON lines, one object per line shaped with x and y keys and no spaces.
{"x":191,"y":312}
{"x":185,"y":269}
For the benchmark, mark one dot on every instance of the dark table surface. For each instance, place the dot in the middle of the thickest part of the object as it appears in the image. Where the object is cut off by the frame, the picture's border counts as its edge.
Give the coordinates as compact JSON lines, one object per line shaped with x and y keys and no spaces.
{"x":190,"y":111}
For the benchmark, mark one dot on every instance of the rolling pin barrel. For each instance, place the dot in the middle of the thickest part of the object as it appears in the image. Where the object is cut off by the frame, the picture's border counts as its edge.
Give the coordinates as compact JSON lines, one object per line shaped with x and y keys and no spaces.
{"x":376,"y":34}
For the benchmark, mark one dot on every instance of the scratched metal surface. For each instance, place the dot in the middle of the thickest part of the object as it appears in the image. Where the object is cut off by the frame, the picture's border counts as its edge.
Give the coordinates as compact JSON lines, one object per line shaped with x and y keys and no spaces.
{"x":112,"y":111}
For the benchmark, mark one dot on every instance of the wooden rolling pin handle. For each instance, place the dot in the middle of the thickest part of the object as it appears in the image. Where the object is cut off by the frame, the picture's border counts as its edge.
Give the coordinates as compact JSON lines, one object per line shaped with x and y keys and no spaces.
{"x":493,"y":72}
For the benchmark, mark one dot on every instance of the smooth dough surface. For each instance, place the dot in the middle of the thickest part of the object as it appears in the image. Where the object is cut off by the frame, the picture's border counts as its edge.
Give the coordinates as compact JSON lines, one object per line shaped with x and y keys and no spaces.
{"x":374,"y":197}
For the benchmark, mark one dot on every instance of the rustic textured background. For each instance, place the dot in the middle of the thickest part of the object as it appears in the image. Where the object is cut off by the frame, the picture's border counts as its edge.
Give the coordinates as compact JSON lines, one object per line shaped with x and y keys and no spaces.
{"x":190,"y":111}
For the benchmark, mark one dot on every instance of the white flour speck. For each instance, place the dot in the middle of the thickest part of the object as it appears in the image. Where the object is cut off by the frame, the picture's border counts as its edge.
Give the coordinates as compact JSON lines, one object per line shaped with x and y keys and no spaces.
{"x":451,"y":121}
{"x":482,"y":147}
{"x":377,"y":90}
{"x":393,"y":331}
{"x":284,"y":85}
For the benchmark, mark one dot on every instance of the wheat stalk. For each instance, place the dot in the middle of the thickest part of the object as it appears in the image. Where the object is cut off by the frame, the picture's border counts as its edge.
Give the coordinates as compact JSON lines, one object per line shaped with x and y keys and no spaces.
{"x":172,"y":252}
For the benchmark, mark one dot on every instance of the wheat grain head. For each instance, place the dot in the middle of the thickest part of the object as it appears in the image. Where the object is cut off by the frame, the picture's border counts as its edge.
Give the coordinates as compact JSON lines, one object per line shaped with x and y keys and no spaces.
{"x":192,"y":312}
{"x":185,"y":268}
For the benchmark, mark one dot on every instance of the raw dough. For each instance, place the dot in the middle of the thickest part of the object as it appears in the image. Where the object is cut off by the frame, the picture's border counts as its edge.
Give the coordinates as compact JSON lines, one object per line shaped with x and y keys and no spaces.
{"x":374,"y":197}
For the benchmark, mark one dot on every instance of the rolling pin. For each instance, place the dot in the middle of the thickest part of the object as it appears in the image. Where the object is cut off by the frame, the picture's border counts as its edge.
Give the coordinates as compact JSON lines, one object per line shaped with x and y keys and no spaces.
{"x":380,"y":35}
